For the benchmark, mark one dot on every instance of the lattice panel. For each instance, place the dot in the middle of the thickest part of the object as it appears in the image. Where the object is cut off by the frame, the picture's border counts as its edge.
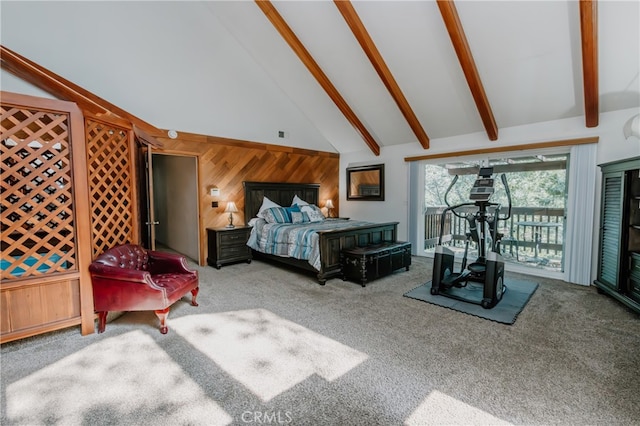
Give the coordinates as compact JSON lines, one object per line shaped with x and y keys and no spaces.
{"x":111,"y":183}
{"x":38,"y":234}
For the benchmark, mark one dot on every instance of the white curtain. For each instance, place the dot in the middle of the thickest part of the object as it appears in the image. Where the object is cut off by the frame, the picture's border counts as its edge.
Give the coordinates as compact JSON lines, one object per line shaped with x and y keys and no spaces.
{"x":416,"y":206}
{"x":580,"y":214}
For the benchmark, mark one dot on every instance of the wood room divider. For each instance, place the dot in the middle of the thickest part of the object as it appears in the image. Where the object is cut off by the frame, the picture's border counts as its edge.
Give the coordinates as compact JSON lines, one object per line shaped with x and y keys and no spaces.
{"x":46,"y":232}
{"x":69,"y":193}
{"x":112,"y":183}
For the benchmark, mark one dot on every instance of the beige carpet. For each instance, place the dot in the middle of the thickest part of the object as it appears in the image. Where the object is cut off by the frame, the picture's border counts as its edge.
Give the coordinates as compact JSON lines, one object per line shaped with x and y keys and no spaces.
{"x":271,"y":346}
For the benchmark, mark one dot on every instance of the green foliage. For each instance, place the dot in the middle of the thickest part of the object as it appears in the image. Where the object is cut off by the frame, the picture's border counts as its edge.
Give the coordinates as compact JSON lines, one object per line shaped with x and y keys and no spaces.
{"x":543,"y":188}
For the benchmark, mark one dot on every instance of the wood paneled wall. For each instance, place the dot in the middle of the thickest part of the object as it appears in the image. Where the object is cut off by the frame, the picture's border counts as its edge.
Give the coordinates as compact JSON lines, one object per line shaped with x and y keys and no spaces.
{"x":226,"y":163}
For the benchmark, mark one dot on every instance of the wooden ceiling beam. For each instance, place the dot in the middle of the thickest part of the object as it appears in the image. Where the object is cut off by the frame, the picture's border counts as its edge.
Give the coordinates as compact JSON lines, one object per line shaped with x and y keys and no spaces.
{"x":458,"y":38}
{"x":589,"y":33}
{"x":360,"y":32}
{"x":63,"y":89}
{"x":292,"y":40}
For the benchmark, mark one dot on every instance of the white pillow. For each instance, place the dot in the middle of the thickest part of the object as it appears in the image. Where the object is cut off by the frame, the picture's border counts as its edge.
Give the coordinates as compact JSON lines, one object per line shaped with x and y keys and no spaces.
{"x":299,"y":201}
{"x":314,"y":213}
{"x":266,"y":204}
{"x":256,"y":220}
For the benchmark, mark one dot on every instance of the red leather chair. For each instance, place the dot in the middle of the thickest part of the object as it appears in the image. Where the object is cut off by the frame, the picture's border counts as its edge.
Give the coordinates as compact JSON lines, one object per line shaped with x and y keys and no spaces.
{"x":131,"y":278}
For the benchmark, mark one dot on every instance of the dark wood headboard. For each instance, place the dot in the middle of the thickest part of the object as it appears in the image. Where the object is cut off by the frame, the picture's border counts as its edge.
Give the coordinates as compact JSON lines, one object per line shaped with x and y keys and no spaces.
{"x":281,"y":193}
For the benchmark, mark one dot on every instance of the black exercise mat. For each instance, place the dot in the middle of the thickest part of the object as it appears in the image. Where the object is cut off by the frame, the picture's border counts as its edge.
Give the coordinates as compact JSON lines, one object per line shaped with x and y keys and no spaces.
{"x":506,"y":311}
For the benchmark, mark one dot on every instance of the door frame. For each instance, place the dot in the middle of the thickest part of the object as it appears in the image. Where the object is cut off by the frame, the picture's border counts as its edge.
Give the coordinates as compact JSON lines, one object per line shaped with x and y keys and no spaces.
{"x":171,"y":153}
{"x":418,"y":192}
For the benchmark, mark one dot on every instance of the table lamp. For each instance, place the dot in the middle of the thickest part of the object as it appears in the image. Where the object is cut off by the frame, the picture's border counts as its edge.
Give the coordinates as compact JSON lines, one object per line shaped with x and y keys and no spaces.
{"x":231,"y":209}
{"x":329,"y":206}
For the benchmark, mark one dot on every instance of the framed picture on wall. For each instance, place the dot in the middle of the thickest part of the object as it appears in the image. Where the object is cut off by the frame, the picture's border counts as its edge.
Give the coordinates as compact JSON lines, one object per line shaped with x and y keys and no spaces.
{"x":365,"y":183}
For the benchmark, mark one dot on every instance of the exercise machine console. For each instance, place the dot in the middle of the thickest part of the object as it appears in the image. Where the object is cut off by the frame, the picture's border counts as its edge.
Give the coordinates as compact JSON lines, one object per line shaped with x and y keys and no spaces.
{"x":482,"y":281}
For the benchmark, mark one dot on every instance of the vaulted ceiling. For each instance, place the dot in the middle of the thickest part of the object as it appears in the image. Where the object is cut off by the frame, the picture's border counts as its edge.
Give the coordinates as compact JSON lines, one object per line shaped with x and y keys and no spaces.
{"x":339,"y":76}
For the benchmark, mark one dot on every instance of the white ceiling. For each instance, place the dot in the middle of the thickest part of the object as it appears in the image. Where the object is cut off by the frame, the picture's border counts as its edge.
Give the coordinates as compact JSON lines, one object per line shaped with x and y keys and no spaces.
{"x":222,"y":69}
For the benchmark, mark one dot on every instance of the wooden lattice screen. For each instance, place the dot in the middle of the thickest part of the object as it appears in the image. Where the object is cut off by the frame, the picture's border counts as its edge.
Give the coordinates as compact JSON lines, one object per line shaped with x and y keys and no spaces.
{"x":37,"y":199}
{"x":45,"y":283}
{"x":111,"y":185}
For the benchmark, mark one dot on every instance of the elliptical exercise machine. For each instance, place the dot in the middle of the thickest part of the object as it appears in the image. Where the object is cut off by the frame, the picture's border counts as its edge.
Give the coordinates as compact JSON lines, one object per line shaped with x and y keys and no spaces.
{"x":488,"y":268}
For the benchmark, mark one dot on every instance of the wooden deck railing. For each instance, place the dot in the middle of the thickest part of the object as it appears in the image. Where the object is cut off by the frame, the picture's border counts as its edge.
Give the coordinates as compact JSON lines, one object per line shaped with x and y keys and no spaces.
{"x":519,"y":232}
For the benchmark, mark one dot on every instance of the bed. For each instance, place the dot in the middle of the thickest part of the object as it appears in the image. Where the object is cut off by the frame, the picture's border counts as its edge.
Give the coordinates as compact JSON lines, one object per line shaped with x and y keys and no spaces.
{"x":344,"y":234}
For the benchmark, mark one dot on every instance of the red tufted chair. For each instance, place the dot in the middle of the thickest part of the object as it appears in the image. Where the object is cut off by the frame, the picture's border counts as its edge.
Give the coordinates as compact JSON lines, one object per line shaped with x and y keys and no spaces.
{"x":131,"y":278}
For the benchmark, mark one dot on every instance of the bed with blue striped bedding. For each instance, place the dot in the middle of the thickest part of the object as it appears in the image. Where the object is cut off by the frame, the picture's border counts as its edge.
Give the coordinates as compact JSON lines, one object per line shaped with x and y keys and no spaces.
{"x":299,"y":241}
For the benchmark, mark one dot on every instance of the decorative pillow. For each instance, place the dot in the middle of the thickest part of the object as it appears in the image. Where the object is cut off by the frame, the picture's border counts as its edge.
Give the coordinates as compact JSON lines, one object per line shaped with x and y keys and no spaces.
{"x":266,"y":204}
{"x":276,"y":215}
{"x":314,"y":213}
{"x":298,"y":201}
{"x":290,"y":210}
{"x":299,"y":217}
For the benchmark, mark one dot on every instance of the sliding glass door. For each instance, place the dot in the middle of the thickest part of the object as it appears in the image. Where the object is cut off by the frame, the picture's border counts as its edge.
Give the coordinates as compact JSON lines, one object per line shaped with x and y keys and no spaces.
{"x":533,"y":237}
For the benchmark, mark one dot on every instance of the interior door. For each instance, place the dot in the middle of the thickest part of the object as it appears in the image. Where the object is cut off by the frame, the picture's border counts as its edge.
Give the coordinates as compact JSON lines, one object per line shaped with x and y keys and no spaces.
{"x":175,"y":203}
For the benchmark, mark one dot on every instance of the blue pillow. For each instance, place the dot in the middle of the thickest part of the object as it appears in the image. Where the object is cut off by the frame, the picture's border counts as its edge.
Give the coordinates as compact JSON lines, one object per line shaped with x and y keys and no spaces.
{"x":292,"y":209}
{"x":276,"y":215}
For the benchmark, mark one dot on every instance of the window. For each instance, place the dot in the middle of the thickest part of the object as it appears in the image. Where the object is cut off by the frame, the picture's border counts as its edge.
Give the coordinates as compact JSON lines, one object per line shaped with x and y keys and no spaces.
{"x":533,"y":237}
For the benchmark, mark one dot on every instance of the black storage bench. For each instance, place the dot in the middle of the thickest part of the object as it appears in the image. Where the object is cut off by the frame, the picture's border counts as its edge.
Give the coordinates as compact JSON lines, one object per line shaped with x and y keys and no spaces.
{"x":364,"y":264}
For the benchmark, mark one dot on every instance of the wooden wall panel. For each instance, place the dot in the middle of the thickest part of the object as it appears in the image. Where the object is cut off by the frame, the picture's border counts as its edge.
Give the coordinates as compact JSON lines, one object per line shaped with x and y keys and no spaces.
{"x":5,"y":318}
{"x":226,"y":164}
{"x":41,"y":310}
{"x":39,"y":307}
{"x":61,"y":290}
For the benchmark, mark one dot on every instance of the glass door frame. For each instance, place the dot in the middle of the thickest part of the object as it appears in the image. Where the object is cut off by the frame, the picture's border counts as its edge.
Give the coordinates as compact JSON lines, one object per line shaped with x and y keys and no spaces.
{"x":418,"y":192}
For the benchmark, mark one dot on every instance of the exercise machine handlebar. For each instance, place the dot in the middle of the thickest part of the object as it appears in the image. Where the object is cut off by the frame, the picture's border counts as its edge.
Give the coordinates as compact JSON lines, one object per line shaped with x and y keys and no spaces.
{"x":503,"y":178}
{"x":446,"y":194}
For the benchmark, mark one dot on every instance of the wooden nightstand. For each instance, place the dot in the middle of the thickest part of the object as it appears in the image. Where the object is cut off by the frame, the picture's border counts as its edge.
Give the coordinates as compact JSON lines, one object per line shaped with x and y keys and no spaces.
{"x":228,"y":245}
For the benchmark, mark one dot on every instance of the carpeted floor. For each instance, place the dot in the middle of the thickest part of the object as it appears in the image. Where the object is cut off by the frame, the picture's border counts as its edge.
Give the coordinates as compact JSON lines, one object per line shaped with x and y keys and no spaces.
{"x":271,"y":346}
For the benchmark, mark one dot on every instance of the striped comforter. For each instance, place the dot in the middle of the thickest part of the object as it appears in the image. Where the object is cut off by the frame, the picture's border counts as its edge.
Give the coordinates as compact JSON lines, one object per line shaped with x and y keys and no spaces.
{"x":299,"y":241}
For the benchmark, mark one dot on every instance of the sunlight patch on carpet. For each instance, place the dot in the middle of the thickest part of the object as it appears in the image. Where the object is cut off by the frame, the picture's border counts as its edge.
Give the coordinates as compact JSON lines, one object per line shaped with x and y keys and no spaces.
{"x":266,"y":353}
{"x":102,"y":382}
{"x":441,"y":409}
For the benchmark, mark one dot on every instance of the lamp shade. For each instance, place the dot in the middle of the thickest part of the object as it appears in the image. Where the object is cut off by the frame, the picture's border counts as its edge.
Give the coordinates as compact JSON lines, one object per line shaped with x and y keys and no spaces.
{"x":231,"y":207}
{"x":329,"y":204}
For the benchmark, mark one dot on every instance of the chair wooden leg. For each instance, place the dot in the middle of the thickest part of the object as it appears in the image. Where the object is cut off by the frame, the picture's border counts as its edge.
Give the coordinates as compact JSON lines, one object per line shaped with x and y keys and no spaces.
{"x":102,"y":321}
{"x":162,"y":315}
{"x":194,"y":294}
